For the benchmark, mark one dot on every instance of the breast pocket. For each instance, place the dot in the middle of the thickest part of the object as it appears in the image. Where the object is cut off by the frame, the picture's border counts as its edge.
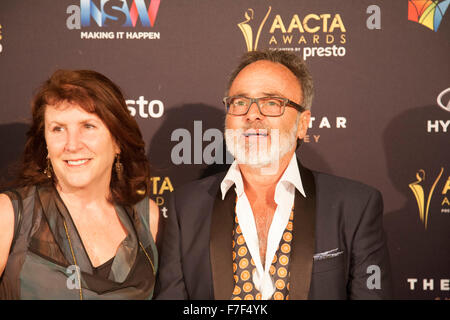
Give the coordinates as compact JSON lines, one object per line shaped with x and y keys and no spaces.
{"x":328,"y":264}
{"x":328,"y":279}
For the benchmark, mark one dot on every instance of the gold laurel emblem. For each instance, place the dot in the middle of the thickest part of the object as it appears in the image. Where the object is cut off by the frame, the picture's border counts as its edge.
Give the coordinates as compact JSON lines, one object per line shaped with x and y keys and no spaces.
{"x":247,"y":30}
{"x":419,"y":193}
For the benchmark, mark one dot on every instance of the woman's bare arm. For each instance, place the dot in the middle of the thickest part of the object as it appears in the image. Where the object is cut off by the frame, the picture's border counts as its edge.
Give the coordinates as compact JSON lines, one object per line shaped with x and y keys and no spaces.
{"x":7,"y":229}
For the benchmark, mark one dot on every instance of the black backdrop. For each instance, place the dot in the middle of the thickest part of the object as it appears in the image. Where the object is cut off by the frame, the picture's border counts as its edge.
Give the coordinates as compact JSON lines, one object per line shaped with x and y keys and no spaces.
{"x":381,"y":109}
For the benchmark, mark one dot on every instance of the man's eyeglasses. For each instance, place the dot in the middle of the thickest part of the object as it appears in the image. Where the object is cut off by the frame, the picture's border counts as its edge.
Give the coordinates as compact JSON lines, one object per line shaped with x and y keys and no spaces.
{"x":267,"y":106}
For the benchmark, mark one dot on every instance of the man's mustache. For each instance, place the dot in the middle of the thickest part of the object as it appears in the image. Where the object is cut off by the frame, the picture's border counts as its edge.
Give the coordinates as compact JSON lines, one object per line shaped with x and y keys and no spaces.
{"x":257,"y":126}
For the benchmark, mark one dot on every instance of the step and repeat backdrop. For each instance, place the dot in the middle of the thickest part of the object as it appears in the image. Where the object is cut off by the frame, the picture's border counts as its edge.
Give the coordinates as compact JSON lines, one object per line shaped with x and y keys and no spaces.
{"x":381,"y":113}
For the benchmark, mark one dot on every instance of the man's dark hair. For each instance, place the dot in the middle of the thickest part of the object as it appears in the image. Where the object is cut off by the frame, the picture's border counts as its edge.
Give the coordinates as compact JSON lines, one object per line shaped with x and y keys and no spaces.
{"x":290,"y":60}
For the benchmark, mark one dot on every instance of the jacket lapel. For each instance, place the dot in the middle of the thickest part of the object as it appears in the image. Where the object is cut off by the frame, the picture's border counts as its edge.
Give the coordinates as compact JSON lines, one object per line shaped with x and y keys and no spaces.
{"x":303,"y":243}
{"x":221,"y":245}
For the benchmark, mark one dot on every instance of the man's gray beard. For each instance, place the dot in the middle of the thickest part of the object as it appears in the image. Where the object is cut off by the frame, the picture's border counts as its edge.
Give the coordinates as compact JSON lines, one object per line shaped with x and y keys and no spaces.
{"x":258,"y":156}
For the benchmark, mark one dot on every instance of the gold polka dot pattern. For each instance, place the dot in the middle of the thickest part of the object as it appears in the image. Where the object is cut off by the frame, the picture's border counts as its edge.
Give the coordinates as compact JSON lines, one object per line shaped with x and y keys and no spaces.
{"x":244,"y":266}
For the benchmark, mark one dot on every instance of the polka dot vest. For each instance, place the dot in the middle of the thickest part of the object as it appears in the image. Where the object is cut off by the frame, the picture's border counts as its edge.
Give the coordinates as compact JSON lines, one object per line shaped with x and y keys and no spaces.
{"x":244,"y":266}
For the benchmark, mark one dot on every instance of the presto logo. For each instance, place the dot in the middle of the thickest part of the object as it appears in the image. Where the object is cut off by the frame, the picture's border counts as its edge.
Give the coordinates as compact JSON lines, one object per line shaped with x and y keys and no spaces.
{"x":145,"y":108}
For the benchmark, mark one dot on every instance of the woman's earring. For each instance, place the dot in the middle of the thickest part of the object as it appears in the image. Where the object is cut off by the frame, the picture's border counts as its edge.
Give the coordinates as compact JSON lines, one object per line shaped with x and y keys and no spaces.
{"x":119,"y":167}
{"x":48,"y":169}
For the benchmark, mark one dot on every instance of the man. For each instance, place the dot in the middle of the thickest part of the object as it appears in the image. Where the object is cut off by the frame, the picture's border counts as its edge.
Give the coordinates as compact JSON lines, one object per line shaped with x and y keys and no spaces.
{"x":270,"y":228}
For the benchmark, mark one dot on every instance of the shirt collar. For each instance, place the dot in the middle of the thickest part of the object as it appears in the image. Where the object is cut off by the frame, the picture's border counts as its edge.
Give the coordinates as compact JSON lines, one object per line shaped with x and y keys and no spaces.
{"x":290,"y":177}
{"x":233,"y":176}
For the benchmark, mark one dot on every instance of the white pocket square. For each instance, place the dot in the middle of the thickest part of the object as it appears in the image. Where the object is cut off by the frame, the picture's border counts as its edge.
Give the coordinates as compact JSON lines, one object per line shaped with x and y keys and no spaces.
{"x":327,"y":254}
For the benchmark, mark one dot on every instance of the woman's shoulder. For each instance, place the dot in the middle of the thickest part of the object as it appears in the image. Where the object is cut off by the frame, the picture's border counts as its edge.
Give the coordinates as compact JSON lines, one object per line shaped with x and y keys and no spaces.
{"x":7,"y":229}
{"x":6,"y":212}
{"x":5,"y":203}
{"x":153,"y":207}
{"x":19,"y":192}
{"x":154,"y":219}
{"x":153,"y":212}
{"x":147,"y":209}
{"x":6,"y":224}
{"x":11,"y":203}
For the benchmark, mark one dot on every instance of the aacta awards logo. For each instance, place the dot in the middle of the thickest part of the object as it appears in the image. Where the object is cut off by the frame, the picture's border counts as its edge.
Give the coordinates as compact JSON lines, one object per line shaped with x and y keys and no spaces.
{"x":303,"y":33}
{"x":114,"y":13}
{"x":424,"y":200}
{"x":427,"y":12}
{"x":160,"y":186}
{"x":247,"y":30}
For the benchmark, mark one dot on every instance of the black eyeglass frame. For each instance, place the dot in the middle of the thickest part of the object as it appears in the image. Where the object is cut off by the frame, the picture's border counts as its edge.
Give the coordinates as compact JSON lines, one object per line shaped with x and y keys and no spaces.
{"x":286,"y":103}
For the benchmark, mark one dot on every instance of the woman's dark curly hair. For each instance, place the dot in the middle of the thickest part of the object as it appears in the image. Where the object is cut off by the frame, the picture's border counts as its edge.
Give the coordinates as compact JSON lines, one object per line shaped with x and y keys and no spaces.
{"x":96,"y":94}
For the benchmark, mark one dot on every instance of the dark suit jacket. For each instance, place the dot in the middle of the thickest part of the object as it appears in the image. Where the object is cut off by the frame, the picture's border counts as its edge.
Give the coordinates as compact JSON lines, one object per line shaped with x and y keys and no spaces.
{"x":196,"y":257}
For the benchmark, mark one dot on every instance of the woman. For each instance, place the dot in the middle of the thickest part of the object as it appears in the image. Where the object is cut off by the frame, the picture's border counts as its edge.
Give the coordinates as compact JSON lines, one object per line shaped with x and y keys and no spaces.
{"x":80,"y":225}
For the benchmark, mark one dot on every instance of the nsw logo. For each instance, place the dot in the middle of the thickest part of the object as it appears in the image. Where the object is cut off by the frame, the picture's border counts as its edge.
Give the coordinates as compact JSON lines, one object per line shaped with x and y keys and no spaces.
{"x":107,"y":13}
